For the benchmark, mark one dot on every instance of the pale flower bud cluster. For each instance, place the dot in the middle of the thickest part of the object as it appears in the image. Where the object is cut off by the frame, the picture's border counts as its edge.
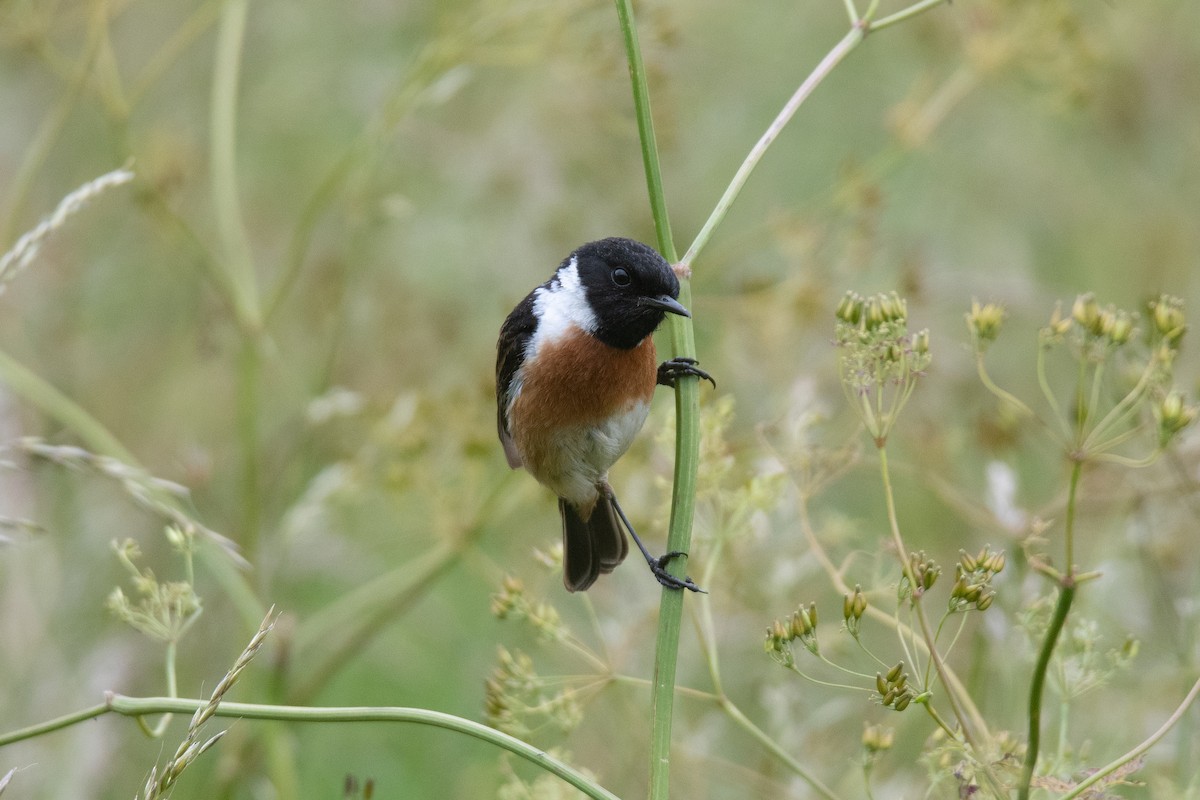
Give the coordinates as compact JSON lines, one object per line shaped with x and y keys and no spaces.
{"x":853,"y":607}
{"x":801,"y":625}
{"x":973,"y":579}
{"x":920,"y":576}
{"x":880,"y":360}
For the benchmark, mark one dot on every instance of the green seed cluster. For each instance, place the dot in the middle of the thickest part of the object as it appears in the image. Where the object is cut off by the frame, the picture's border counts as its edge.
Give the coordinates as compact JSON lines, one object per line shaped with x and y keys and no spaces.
{"x":893,"y":688}
{"x":972,"y":579}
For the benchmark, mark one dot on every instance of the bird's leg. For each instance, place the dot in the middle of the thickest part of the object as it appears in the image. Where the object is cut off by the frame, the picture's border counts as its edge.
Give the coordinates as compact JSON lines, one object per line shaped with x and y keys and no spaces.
{"x":670,"y":371}
{"x":658,"y":566}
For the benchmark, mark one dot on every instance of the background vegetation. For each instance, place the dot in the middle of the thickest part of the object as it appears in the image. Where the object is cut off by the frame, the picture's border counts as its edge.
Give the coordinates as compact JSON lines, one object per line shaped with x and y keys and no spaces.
{"x":292,"y":312}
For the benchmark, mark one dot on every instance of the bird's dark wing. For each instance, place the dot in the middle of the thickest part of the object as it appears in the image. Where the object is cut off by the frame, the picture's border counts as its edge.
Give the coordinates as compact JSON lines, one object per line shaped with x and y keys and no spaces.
{"x":515,"y":334}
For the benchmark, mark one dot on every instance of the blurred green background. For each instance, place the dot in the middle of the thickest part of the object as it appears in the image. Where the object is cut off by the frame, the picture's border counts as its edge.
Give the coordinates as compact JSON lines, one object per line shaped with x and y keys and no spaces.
{"x":394,"y":178}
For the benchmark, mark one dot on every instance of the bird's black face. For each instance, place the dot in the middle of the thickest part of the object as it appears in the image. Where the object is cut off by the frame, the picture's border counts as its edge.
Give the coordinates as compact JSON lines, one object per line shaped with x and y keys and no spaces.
{"x":629,"y":287}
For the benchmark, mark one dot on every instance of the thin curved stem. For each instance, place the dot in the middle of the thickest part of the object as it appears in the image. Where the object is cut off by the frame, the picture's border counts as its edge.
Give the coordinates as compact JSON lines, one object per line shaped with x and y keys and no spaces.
{"x":941,"y":723}
{"x":960,"y":714}
{"x":1150,"y":741}
{"x":52,"y":725}
{"x":140,"y":706}
{"x":877,"y":614}
{"x":1126,"y":407}
{"x":852,"y":12}
{"x":1048,"y":393}
{"x":904,"y":14}
{"x":98,"y":439}
{"x":773,"y":747}
{"x":1008,"y":397}
{"x":834,"y":57}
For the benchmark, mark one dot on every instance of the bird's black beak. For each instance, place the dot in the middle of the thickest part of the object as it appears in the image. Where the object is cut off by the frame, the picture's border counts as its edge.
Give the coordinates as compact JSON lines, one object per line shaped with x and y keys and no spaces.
{"x":666,"y":303}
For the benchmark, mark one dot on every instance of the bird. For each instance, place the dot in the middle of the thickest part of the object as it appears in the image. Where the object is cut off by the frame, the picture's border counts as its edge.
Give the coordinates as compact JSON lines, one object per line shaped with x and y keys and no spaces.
{"x":576,"y":369}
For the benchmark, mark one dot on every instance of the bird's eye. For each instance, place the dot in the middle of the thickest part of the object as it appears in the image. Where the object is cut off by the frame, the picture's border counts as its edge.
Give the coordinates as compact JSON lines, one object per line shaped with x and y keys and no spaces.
{"x":621,"y":277}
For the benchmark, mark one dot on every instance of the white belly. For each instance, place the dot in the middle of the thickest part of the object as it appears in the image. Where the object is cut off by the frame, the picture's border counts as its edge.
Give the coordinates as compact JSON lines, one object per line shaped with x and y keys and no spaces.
{"x":583,"y":455}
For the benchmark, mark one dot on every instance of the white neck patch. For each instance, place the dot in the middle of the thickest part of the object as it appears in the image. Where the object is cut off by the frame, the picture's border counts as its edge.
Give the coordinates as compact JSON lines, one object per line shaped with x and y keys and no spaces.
{"x":561,"y":306}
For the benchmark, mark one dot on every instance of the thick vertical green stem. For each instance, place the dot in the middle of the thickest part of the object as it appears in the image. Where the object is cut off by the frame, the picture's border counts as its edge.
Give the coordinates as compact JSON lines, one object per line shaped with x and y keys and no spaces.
{"x":645,"y":123}
{"x":223,"y":154}
{"x":236,"y":254}
{"x":249,"y":362}
{"x":687,"y":441}
{"x":1066,"y":595}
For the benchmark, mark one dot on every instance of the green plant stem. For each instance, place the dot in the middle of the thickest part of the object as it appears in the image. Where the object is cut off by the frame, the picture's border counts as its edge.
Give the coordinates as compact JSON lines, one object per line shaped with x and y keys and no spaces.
{"x":645,"y":123}
{"x":1048,"y":393}
{"x":1122,"y":411}
{"x":1066,"y":594}
{"x":236,"y":253}
{"x":56,"y":405}
{"x":52,"y":127}
{"x":860,"y":27}
{"x":687,"y":436}
{"x":172,"y":691}
{"x":140,"y":706}
{"x":223,"y":154}
{"x":939,"y":666}
{"x":834,"y":57}
{"x":964,"y":721}
{"x":986,"y":379}
{"x":330,"y":639}
{"x":396,"y":600}
{"x":56,"y":724}
{"x":904,"y":15}
{"x":247,"y":411}
{"x":831,"y":684}
{"x":879,"y":615}
{"x":941,"y":723}
{"x":1082,"y":412}
{"x":1083,"y":786}
{"x":98,"y":439}
{"x":173,"y":47}
{"x":735,"y":713}
{"x":851,"y":11}
{"x":1094,"y":397}
{"x":1069,"y":520}
{"x":683,"y":343}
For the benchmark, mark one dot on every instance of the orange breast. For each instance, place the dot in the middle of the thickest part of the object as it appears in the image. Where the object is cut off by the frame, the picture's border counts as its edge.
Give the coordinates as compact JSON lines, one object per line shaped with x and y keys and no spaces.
{"x":580,"y":380}
{"x":577,"y":381}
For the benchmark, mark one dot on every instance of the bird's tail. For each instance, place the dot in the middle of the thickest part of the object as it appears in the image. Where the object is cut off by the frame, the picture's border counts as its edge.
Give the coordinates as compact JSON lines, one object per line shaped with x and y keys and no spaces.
{"x":590,"y":546}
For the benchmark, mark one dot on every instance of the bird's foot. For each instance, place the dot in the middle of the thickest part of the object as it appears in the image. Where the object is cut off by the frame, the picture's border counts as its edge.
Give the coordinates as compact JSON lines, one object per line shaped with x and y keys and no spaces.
{"x":658,"y":566}
{"x":670,"y":371}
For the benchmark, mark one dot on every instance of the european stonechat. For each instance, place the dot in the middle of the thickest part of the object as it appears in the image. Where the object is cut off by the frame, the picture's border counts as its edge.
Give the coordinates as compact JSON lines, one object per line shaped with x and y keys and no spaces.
{"x":575,"y":372}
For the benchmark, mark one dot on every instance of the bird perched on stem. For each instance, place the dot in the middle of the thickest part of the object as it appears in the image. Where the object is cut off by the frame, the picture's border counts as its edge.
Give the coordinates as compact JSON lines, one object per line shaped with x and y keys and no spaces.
{"x":575,"y":371}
